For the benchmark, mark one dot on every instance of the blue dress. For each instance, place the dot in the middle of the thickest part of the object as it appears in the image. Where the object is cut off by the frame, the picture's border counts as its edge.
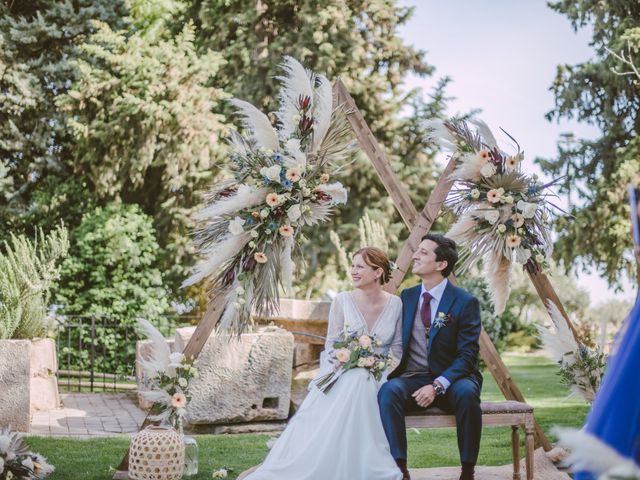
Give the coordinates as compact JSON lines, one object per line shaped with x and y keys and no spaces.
{"x":615,"y":415}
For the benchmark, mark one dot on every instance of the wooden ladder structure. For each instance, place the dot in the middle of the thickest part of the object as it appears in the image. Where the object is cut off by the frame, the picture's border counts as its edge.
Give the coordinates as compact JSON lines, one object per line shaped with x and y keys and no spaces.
{"x":419,"y":223}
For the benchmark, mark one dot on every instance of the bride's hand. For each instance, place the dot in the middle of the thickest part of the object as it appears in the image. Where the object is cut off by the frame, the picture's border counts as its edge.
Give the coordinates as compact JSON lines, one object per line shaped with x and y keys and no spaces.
{"x":425,"y":396}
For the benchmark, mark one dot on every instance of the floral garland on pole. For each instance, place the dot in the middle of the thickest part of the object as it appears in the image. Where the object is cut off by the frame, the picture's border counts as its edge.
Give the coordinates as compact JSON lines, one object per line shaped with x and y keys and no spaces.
{"x":502,"y":213}
{"x":252,"y":224}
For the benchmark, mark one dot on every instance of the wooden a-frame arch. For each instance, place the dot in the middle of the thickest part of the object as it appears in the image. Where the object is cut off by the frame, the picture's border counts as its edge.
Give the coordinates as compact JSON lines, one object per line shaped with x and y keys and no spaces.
{"x":419,"y":223}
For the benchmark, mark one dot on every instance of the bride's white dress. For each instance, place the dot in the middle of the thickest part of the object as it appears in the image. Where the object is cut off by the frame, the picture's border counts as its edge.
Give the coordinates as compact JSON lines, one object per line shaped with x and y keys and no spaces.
{"x":339,"y":435}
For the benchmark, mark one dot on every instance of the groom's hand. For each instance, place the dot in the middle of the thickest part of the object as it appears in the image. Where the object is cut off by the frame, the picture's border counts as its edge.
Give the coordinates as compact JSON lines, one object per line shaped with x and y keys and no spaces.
{"x":425,"y":396}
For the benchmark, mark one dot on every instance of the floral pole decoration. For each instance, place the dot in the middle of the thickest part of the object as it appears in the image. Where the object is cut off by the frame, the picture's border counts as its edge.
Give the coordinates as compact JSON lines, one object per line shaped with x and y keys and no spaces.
{"x":168,"y":378}
{"x":502,"y":213}
{"x":282,"y":183}
{"x":17,"y":461}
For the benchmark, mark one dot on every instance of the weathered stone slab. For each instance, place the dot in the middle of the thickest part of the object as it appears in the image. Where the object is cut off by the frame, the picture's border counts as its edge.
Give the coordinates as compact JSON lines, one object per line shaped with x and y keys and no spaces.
{"x":44,"y":384}
{"x":246,"y":379}
{"x":15,"y":384}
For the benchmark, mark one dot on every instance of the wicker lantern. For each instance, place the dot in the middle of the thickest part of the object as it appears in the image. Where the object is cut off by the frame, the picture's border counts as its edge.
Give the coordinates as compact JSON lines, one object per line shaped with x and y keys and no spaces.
{"x":157,"y":453}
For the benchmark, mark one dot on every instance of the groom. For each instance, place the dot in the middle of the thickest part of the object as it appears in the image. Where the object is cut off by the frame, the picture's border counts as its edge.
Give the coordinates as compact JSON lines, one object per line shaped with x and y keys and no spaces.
{"x":439,"y":365}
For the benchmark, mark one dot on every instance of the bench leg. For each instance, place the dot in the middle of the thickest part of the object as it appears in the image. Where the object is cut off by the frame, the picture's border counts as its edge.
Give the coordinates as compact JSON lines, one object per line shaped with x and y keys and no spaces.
{"x":529,"y":446}
{"x":515,"y":450}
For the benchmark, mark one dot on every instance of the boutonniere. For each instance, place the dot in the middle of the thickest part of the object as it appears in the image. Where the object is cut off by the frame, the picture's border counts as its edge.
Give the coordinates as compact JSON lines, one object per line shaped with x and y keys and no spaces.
{"x":442,"y":320}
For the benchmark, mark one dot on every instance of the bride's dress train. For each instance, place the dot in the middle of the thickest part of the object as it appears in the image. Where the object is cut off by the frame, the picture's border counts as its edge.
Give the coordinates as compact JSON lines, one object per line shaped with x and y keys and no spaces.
{"x":339,"y":435}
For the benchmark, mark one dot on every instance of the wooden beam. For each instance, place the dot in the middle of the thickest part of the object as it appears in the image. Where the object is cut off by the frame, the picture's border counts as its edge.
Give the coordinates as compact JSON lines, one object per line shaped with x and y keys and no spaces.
{"x":423,"y":224}
{"x":191,"y":352}
{"x":376,"y":154}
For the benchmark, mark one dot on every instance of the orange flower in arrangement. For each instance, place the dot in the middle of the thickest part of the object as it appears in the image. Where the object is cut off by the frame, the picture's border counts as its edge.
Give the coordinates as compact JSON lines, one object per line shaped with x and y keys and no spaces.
{"x":512,"y":162}
{"x":513,"y":241}
{"x":493,"y":196}
{"x":178,"y":400}
{"x":260,"y":257}
{"x":286,"y":231}
{"x":273,"y":200}
{"x":324,"y":178}
{"x":484,"y":154}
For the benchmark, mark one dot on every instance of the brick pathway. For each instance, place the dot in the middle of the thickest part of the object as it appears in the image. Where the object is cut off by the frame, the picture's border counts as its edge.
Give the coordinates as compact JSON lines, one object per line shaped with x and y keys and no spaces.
{"x":88,"y":415}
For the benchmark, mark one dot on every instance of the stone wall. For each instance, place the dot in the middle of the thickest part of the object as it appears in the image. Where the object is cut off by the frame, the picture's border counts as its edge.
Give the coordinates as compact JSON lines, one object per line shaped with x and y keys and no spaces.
{"x":27,"y":380}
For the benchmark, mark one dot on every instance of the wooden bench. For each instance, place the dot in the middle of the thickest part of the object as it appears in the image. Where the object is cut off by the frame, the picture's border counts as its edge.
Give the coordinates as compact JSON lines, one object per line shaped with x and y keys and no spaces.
{"x":500,"y":414}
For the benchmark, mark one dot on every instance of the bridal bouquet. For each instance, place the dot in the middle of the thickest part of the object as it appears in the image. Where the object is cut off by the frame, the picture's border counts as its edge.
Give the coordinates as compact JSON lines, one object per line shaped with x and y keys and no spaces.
{"x":502,"y":213}
{"x":282,"y":183}
{"x":353,"y":350}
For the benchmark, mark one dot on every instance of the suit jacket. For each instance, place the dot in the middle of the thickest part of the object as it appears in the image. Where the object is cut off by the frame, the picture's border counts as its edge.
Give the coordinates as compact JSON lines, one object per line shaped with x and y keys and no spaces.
{"x":452,"y":348}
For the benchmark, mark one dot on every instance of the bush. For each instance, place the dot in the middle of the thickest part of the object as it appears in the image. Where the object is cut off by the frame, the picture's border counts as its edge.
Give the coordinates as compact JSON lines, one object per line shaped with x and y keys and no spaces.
{"x":111,"y":277}
{"x":27,"y":270}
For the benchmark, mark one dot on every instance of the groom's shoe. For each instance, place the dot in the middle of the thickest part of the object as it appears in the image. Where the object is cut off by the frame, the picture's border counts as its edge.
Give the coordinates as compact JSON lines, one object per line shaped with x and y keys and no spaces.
{"x":467,"y":471}
{"x":402,"y":465}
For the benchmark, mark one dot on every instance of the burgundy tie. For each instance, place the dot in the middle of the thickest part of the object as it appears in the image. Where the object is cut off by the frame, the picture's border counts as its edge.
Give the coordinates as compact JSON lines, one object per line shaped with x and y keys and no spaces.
{"x":425,"y":310}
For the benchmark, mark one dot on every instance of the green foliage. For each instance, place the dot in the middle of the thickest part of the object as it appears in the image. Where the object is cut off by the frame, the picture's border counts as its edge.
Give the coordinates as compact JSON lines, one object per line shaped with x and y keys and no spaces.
{"x":597,"y":171}
{"x":38,"y":40}
{"x":585,"y":370}
{"x":112,"y":276}
{"x":27,"y":270}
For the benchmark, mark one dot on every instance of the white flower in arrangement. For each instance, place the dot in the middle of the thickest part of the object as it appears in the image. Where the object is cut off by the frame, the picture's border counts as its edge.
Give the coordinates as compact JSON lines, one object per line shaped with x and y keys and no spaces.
{"x":494,"y":195}
{"x":272,"y":172}
{"x":528,"y":209}
{"x":501,"y":228}
{"x":540,"y":258}
{"x":294,"y":212}
{"x":492,"y":216}
{"x":517,"y":219}
{"x":264,"y":213}
{"x":272,"y":199}
{"x":513,"y":241}
{"x":512,"y":162}
{"x":183,"y":382}
{"x":222,"y":473}
{"x":365,"y":341}
{"x":508,"y":199}
{"x":475,"y":193}
{"x":252,"y":244}
{"x":241,"y":301}
{"x":302,"y":183}
{"x":240,"y":290}
{"x":381,"y":365}
{"x":236,"y":226}
{"x":254,"y":234}
{"x":488,"y":170}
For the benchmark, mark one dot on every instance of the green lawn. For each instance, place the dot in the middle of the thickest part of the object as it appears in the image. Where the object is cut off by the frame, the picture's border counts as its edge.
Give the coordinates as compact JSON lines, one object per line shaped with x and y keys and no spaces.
{"x":535,"y":375}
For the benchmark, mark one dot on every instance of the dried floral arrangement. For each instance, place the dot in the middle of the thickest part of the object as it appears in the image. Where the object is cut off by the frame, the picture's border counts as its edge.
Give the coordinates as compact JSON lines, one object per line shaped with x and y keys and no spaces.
{"x":502,"y":212}
{"x":251,"y":226}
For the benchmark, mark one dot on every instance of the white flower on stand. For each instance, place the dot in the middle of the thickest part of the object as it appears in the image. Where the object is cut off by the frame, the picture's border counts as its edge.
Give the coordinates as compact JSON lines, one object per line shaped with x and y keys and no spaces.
{"x":222,"y":473}
{"x":528,"y":209}
{"x":236,"y":226}
{"x":294,"y":212}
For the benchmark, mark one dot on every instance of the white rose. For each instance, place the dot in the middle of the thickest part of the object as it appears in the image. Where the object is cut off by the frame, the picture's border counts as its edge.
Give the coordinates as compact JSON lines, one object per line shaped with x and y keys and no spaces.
{"x":294,"y":212}
{"x":222,"y":473}
{"x":235,"y":226}
{"x":183,"y":382}
{"x":540,"y":258}
{"x":492,"y":216}
{"x":508,"y":199}
{"x":241,"y":301}
{"x":254,"y":234}
{"x":252,"y":244}
{"x":475,"y":193}
{"x":264,"y":213}
{"x":272,"y":172}
{"x":488,"y":170}
{"x":240,"y":290}
{"x":362,"y":362}
{"x":502,"y":228}
{"x":528,"y":209}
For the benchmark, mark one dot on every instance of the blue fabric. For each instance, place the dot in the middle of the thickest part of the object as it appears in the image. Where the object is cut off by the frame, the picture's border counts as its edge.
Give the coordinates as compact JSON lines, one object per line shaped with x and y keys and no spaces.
{"x":615,"y":414}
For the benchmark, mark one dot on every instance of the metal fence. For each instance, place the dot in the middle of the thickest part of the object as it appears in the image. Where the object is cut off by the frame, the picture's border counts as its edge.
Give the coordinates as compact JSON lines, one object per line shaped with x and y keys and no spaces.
{"x":98,"y":353}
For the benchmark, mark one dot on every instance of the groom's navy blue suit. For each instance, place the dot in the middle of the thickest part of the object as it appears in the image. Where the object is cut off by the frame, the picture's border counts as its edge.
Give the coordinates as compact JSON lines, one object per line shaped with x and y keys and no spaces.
{"x":452,"y":352}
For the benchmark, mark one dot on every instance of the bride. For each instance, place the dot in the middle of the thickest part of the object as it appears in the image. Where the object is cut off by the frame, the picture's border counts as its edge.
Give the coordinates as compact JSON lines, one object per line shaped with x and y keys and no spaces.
{"x":338,"y":435}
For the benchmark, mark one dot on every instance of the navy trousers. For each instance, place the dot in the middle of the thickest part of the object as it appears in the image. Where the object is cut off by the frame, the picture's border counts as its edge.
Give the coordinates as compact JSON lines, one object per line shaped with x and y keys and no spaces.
{"x":462,"y":398}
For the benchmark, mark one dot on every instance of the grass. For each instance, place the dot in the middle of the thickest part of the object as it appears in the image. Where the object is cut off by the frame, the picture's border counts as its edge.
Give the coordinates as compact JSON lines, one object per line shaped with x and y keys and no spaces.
{"x":535,"y":375}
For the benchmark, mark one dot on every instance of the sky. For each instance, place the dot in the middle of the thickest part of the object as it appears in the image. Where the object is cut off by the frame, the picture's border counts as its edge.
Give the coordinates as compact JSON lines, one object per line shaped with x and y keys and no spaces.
{"x":502,"y":57}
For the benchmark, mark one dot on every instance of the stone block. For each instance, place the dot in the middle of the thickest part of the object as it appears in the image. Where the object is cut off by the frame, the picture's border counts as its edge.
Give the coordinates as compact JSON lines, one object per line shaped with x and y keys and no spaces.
{"x":245,"y":379}
{"x":15,"y":385}
{"x":44,"y":384}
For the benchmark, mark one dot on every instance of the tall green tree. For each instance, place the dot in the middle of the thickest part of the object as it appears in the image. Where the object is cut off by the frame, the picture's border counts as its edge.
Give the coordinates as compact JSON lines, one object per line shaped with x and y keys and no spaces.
{"x":38,"y":42}
{"x":597,"y":171}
